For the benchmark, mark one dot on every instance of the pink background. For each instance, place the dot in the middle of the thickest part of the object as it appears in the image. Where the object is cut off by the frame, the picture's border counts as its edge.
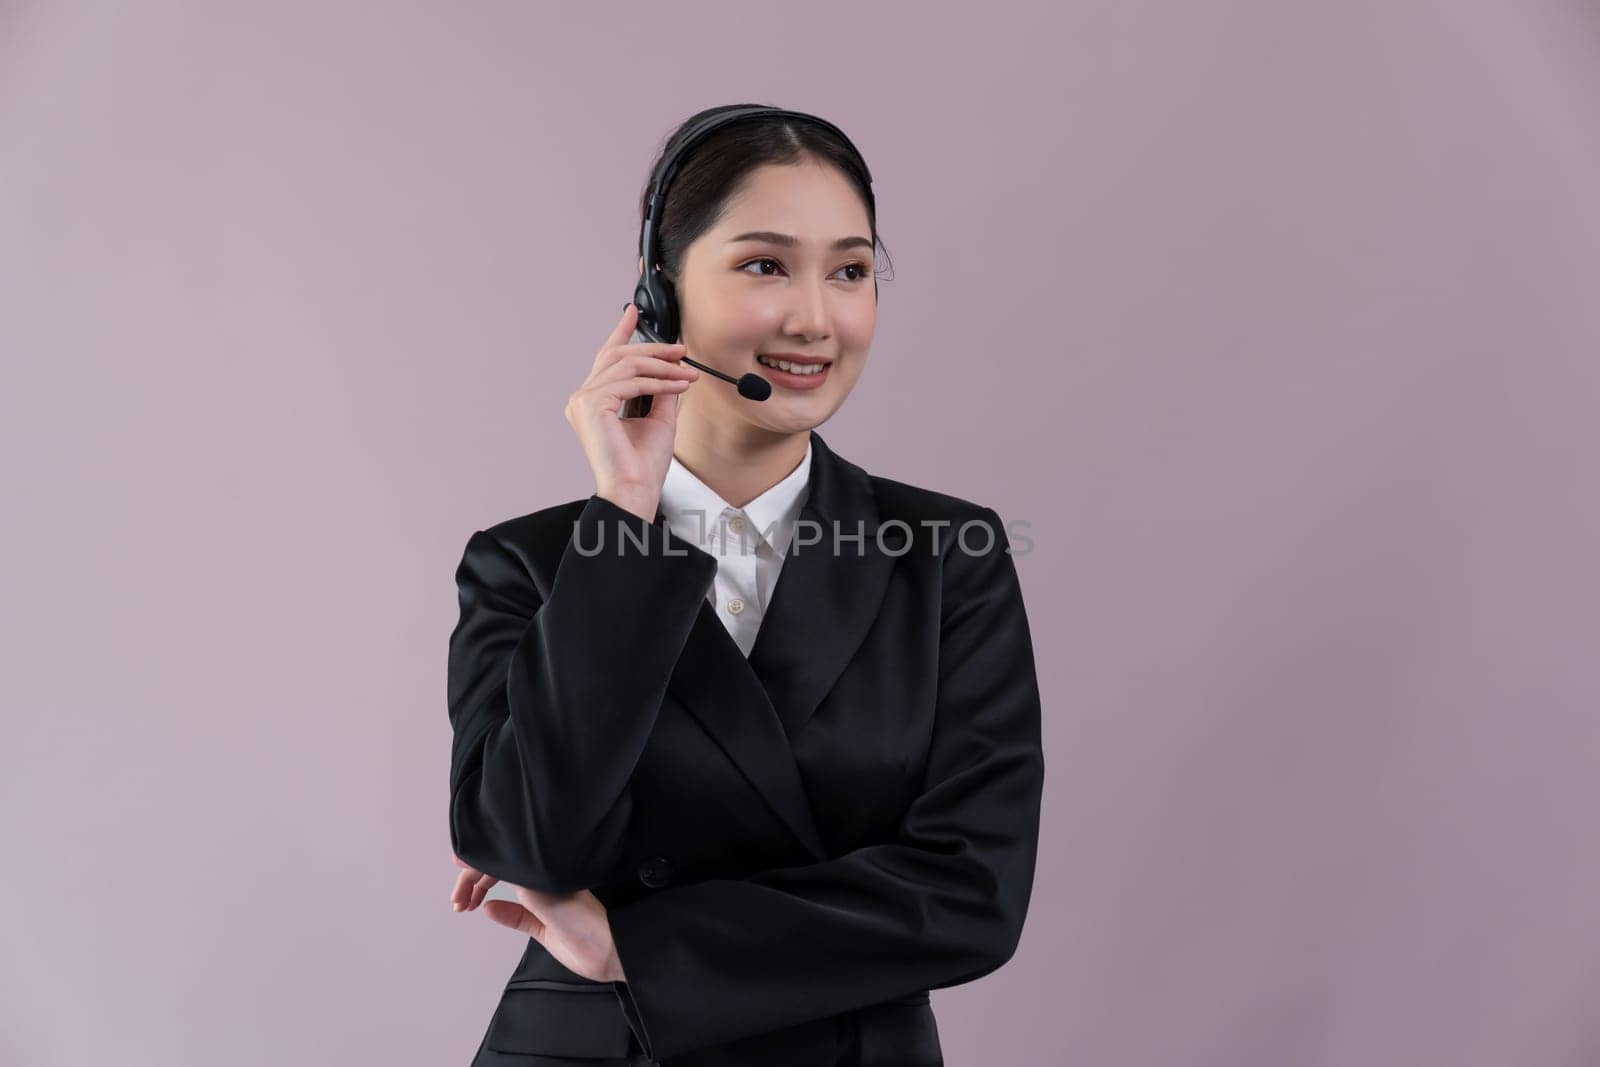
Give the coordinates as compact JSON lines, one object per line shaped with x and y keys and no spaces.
{"x":1277,"y":322}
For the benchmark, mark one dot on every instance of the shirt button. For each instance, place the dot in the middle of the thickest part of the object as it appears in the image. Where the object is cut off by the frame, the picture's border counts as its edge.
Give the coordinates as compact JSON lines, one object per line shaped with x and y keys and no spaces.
{"x":736,"y":524}
{"x":735,"y":605}
{"x":656,"y":872}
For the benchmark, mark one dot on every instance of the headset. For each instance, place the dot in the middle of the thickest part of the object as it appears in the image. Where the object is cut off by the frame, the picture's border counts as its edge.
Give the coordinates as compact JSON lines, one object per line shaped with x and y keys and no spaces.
{"x":654,"y":295}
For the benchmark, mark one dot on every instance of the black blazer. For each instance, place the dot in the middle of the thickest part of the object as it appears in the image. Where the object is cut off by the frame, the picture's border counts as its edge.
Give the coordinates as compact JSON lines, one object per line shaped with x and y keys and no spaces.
{"x":793,"y":849}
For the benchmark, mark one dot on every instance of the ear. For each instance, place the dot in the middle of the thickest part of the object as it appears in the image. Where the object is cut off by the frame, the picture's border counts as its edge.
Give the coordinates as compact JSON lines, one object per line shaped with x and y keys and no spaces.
{"x":641,"y":264}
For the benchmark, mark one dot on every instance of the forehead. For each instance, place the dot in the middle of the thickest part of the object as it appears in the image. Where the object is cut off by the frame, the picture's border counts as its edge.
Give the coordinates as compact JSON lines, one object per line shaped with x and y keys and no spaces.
{"x":811,"y":200}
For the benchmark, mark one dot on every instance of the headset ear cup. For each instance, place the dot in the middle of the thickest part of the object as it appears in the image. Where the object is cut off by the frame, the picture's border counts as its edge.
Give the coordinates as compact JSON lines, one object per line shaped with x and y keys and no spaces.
{"x":645,"y":302}
{"x":667,"y":309}
{"x":658,"y":305}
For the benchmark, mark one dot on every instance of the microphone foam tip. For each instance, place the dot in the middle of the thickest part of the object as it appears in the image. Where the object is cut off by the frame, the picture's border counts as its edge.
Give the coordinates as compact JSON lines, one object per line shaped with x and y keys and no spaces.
{"x":754,"y":387}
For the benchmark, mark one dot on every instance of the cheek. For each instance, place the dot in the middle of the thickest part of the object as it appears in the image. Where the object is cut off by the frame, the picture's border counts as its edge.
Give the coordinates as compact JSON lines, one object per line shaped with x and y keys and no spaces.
{"x":744,"y":323}
{"x":856,"y":327}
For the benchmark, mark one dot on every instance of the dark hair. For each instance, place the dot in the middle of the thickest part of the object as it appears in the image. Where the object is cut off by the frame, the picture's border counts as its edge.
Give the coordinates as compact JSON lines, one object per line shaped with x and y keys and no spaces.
{"x":711,"y":174}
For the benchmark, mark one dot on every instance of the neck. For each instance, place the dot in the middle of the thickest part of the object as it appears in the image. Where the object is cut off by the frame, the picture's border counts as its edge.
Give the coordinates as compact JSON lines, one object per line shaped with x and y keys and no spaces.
{"x":738,"y":462}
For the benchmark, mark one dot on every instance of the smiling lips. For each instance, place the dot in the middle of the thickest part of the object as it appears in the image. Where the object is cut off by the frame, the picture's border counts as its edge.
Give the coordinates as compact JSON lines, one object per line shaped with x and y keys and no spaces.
{"x":792,"y":361}
{"x":794,"y":371}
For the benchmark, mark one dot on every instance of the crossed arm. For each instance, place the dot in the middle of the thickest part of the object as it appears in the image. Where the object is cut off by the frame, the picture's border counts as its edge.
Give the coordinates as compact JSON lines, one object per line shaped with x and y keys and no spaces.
{"x":534,"y":797}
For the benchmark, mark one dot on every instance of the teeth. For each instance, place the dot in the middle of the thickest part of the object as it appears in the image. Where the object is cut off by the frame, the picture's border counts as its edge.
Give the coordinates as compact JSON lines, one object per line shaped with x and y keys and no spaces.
{"x":792,"y":368}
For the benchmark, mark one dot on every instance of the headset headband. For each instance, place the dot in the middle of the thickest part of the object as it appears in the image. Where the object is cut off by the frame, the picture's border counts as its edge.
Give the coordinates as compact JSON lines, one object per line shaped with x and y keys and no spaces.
{"x":661,"y":180}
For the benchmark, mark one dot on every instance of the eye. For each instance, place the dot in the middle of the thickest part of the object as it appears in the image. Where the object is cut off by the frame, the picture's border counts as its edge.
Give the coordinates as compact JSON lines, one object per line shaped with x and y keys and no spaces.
{"x":862,"y":270}
{"x":756,"y":261}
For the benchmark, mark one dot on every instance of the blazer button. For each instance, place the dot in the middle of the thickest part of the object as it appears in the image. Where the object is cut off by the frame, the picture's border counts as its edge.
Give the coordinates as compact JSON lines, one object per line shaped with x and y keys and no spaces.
{"x":656,"y":872}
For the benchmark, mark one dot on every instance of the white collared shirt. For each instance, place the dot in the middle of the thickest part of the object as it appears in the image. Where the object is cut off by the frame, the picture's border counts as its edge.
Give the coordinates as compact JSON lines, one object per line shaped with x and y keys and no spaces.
{"x":750,"y":543}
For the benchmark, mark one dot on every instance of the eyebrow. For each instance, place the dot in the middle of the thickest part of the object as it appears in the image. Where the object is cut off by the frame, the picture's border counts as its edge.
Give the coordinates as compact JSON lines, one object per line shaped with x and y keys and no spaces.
{"x":790,"y":242}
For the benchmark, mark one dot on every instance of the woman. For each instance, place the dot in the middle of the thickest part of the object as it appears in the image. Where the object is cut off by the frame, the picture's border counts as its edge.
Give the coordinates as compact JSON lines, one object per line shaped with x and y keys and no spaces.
{"x":749,"y":821}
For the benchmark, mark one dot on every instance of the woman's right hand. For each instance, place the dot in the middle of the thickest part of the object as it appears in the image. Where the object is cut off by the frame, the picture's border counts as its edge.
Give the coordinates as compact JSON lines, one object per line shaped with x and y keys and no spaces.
{"x":629,"y":457}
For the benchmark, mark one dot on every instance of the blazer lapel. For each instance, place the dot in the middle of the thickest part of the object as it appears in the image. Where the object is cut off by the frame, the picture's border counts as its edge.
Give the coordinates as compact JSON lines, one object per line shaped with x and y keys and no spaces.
{"x":827,"y":595}
{"x":819,"y":613}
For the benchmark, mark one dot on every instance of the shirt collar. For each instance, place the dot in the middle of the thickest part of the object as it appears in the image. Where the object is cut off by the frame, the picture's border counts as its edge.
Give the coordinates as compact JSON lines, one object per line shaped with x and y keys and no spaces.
{"x":692,"y":507}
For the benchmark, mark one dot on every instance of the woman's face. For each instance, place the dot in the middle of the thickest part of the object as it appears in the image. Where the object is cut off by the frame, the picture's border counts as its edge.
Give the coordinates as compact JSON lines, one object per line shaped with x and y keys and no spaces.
{"x":805,"y":286}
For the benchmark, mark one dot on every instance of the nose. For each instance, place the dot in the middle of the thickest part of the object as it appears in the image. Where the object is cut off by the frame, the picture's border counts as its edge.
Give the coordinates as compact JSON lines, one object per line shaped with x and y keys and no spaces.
{"x":808,"y":312}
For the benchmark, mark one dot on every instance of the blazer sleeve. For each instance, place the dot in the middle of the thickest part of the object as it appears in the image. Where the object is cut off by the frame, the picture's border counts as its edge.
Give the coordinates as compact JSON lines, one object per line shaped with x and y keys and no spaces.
{"x":717,"y":960}
{"x":552,"y":699}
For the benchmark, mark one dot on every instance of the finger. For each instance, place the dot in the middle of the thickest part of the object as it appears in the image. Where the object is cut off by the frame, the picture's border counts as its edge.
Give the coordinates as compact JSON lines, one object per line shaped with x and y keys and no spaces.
{"x":615,"y":394}
{"x":623,"y":329}
{"x":613,"y":355}
{"x":625,"y":325}
{"x":470,"y":888}
{"x":608,"y":397}
{"x":483,"y":886}
{"x":643,"y":364}
{"x":665,"y":409}
{"x":509,"y":913}
{"x":462,"y":893}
